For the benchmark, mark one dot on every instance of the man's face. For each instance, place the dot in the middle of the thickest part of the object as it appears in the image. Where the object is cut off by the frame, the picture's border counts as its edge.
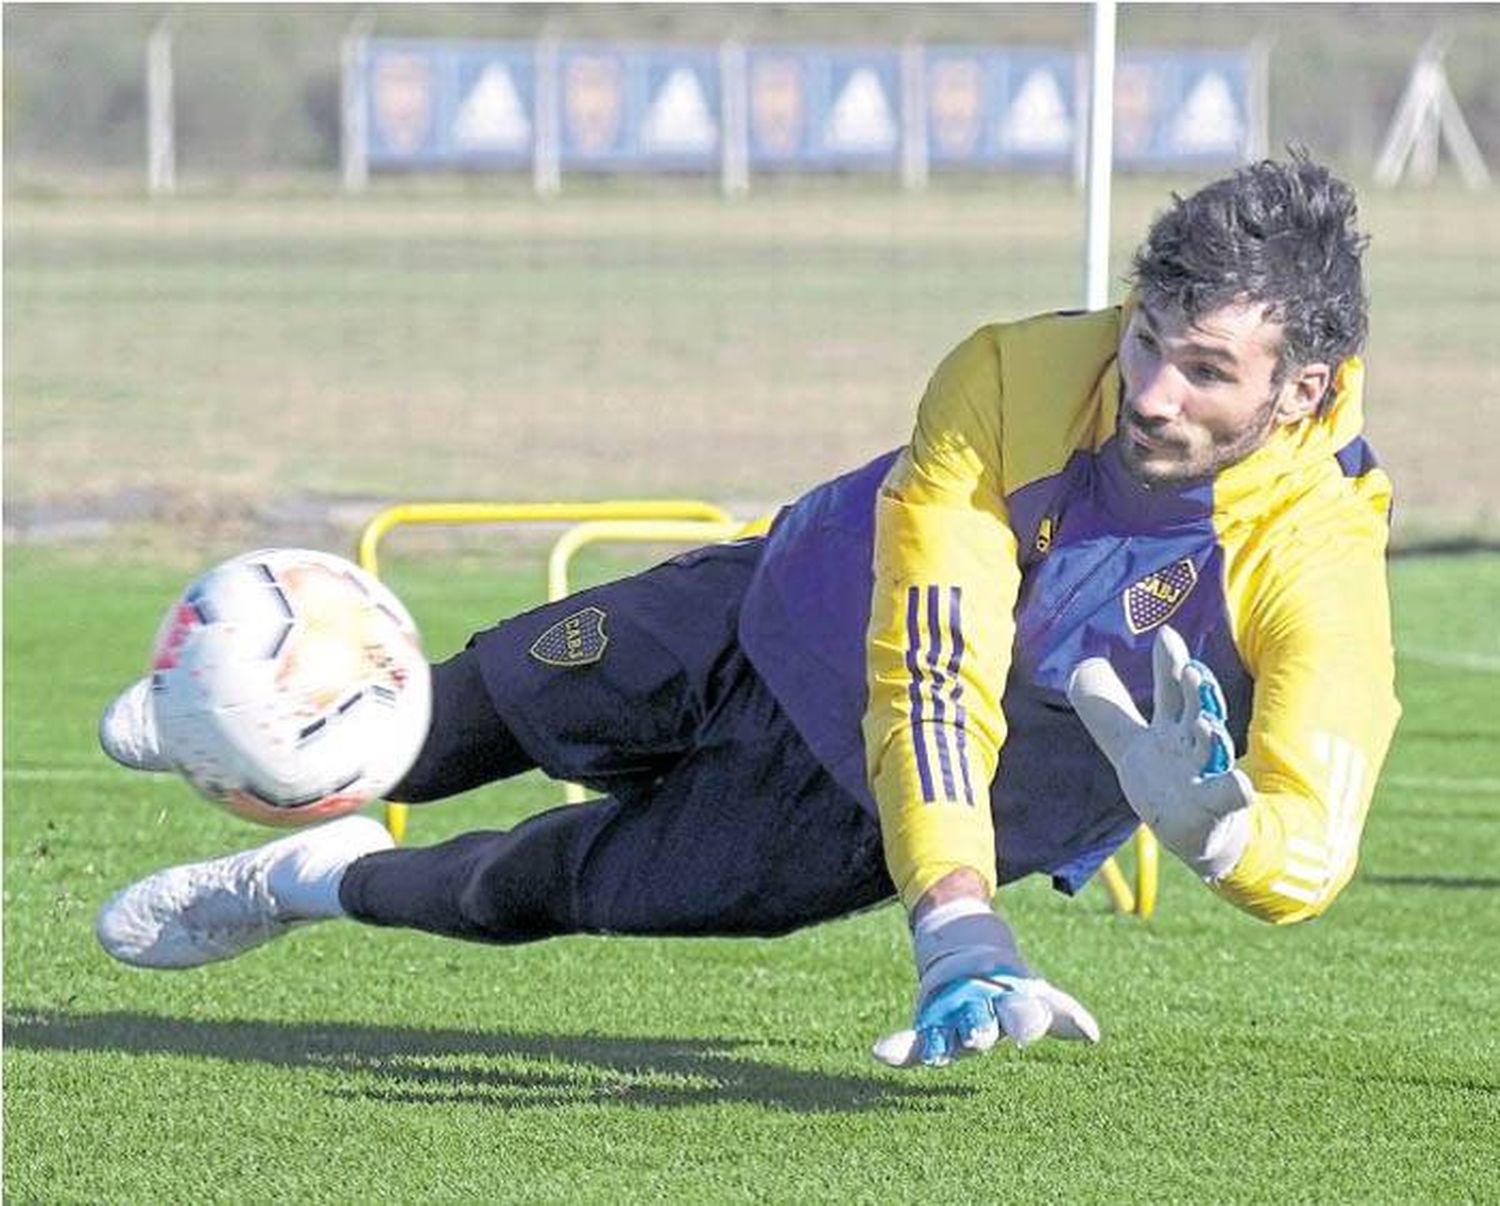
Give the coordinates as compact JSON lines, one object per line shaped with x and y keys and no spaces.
{"x":1200,"y":396}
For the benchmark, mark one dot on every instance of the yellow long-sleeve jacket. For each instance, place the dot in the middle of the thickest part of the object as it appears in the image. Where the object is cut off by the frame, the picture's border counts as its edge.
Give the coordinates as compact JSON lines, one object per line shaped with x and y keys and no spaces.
{"x":918,"y":620}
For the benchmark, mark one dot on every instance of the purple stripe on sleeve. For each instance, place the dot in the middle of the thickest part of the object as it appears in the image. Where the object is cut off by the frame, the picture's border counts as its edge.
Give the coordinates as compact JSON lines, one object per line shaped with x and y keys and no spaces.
{"x":939,"y":713}
{"x":955,"y":663}
{"x":914,"y":673}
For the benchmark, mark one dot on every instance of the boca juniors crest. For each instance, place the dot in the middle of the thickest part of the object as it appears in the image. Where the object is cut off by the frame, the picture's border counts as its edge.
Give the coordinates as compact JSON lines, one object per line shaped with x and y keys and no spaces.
{"x":575,"y":640}
{"x":1154,"y":599}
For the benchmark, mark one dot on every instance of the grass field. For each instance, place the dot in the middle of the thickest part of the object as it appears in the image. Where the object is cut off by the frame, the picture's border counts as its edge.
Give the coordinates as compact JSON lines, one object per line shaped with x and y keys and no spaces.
{"x":1354,"y":1059}
{"x":217,"y":356}
{"x":185,"y":379}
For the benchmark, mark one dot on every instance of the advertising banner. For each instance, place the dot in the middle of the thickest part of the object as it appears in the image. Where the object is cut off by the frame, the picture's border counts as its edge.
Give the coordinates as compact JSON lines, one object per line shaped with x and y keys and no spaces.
{"x":639,"y":107}
{"x":1001,"y":107}
{"x":635,"y":107}
{"x":450,"y":104}
{"x":1183,"y":109}
{"x":813,"y":108}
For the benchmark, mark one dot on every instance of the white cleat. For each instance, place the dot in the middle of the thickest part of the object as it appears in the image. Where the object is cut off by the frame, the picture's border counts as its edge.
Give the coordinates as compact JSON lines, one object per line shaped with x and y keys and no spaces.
{"x":203,"y":912}
{"x":127,"y":730}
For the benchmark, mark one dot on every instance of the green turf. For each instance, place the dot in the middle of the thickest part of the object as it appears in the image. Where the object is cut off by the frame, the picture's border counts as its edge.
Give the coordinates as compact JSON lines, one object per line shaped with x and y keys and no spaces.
{"x":233,"y":351}
{"x":1353,"y":1059}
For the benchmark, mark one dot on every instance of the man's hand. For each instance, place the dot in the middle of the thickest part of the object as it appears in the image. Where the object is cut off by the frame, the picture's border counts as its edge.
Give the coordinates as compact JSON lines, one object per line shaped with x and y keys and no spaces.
{"x":974,"y":989}
{"x":1177,"y":772}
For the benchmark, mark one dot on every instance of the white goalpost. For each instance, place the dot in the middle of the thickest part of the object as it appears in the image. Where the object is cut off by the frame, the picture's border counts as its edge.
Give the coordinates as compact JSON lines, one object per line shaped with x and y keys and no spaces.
{"x":1099,"y":161}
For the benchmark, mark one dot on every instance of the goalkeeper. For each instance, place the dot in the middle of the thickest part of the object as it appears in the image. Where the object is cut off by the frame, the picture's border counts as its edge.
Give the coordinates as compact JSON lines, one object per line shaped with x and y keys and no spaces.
{"x":931,"y":677}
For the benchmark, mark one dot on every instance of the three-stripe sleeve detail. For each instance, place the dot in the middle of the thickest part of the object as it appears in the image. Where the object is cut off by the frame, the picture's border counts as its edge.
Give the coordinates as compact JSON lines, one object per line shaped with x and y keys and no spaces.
{"x":1312,"y":867}
{"x":939,"y":719}
{"x":914,"y":688}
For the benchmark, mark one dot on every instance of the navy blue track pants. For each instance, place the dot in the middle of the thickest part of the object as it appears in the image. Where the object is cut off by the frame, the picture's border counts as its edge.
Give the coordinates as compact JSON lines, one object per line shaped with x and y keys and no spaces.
{"x":715,"y":818}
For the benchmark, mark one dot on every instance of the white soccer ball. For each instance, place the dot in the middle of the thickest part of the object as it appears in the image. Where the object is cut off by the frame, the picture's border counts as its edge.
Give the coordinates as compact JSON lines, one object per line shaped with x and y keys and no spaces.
{"x":290,"y":686}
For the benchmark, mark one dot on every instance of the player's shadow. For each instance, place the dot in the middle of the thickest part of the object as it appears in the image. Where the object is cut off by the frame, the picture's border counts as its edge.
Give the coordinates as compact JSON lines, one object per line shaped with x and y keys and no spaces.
{"x":504,"y":1071}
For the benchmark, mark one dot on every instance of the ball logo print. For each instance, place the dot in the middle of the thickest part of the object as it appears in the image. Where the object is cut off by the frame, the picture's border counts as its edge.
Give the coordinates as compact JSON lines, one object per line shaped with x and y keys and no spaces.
{"x":178,"y":624}
{"x":289,"y":686}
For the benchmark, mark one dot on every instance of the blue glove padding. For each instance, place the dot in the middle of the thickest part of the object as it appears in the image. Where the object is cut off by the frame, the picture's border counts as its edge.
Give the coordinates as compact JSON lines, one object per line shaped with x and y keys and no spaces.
{"x":1215,"y":712}
{"x":974,"y":990}
{"x":969,"y":1016}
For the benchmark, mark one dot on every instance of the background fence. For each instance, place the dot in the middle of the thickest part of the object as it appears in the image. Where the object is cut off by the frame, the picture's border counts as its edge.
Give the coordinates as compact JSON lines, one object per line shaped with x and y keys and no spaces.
{"x":258,"y":86}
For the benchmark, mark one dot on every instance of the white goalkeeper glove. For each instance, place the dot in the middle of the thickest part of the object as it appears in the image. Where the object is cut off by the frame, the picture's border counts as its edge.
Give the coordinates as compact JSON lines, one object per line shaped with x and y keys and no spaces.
{"x":975,"y":988}
{"x":1177,"y":772}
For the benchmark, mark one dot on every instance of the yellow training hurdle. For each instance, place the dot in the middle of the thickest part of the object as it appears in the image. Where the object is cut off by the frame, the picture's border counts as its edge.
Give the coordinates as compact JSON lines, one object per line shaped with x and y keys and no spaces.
{"x":661,"y":521}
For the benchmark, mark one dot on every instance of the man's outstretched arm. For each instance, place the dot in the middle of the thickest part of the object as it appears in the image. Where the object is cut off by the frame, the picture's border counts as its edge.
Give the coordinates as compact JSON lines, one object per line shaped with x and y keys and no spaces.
{"x":1276,"y":832}
{"x":946,"y":577}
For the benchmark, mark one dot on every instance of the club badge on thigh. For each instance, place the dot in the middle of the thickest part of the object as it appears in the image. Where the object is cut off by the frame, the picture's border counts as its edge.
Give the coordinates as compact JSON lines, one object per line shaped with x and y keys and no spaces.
{"x":575,"y":640}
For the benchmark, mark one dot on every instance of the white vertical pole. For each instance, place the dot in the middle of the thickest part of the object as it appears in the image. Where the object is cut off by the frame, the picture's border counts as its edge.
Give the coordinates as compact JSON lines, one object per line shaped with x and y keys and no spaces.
{"x":913,"y":117}
{"x":161,"y":150}
{"x":354,"y":109}
{"x":1260,"y":100}
{"x":546,"y":155}
{"x":1100,"y":155}
{"x":734,"y":120}
{"x":1080,"y":107}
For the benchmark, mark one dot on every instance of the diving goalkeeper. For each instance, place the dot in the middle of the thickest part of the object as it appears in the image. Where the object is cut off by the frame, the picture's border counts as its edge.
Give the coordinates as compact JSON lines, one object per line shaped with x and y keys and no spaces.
{"x":933,"y":675}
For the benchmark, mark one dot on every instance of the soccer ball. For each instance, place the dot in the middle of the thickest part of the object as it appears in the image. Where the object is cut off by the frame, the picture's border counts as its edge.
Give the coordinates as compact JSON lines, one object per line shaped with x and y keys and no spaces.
{"x":289,"y":686}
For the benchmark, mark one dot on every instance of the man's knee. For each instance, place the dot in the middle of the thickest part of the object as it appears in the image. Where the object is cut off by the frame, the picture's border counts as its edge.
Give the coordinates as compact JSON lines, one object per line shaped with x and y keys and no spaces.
{"x":467,"y":743}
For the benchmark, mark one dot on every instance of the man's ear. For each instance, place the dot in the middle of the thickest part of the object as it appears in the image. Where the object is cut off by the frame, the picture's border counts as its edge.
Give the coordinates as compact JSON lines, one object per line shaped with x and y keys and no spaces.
{"x":1302,"y":392}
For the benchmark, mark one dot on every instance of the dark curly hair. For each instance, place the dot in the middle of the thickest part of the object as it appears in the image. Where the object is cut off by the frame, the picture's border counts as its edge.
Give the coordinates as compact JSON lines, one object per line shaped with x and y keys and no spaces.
{"x":1281,"y":235}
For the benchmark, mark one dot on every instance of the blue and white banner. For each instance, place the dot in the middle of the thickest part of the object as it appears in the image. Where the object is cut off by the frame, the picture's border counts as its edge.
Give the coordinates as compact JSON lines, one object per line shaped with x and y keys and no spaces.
{"x":1184,"y":109}
{"x":450,"y":104}
{"x":639,"y":107}
{"x":994,"y":107}
{"x":814,"y":108}
{"x":620,"y":107}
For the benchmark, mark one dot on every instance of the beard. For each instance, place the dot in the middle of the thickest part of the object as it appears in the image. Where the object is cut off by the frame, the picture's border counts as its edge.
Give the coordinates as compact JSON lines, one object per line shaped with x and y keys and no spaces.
{"x":1155,"y":455}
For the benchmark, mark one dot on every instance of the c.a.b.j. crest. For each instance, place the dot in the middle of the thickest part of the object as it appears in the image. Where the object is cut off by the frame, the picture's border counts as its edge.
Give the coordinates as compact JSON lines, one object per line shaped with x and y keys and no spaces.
{"x":575,"y":640}
{"x":1153,"y":599}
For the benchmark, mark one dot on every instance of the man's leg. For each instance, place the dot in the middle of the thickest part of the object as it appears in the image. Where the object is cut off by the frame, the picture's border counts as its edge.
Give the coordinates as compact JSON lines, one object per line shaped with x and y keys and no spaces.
{"x":718,"y":819}
{"x":747,"y":835}
{"x":467,"y":744}
{"x":606,"y":687}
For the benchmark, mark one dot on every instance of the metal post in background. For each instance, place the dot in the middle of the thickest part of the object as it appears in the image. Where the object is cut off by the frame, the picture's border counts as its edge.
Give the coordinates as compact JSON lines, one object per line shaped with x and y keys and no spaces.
{"x":1260,"y":100}
{"x":914,"y":162}
{"x":546,"y":156}
{"x":161,"y":149}
{"x":1427,"y":115}
{"x":734,"y":120}
{"x":354,"y":108}
{"x":1100,"y":154}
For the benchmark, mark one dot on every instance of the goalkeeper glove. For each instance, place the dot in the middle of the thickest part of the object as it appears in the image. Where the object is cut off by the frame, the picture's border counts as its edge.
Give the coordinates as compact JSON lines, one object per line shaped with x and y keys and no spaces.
{"x":974,"y":988}
{"x":1177,"y":772}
